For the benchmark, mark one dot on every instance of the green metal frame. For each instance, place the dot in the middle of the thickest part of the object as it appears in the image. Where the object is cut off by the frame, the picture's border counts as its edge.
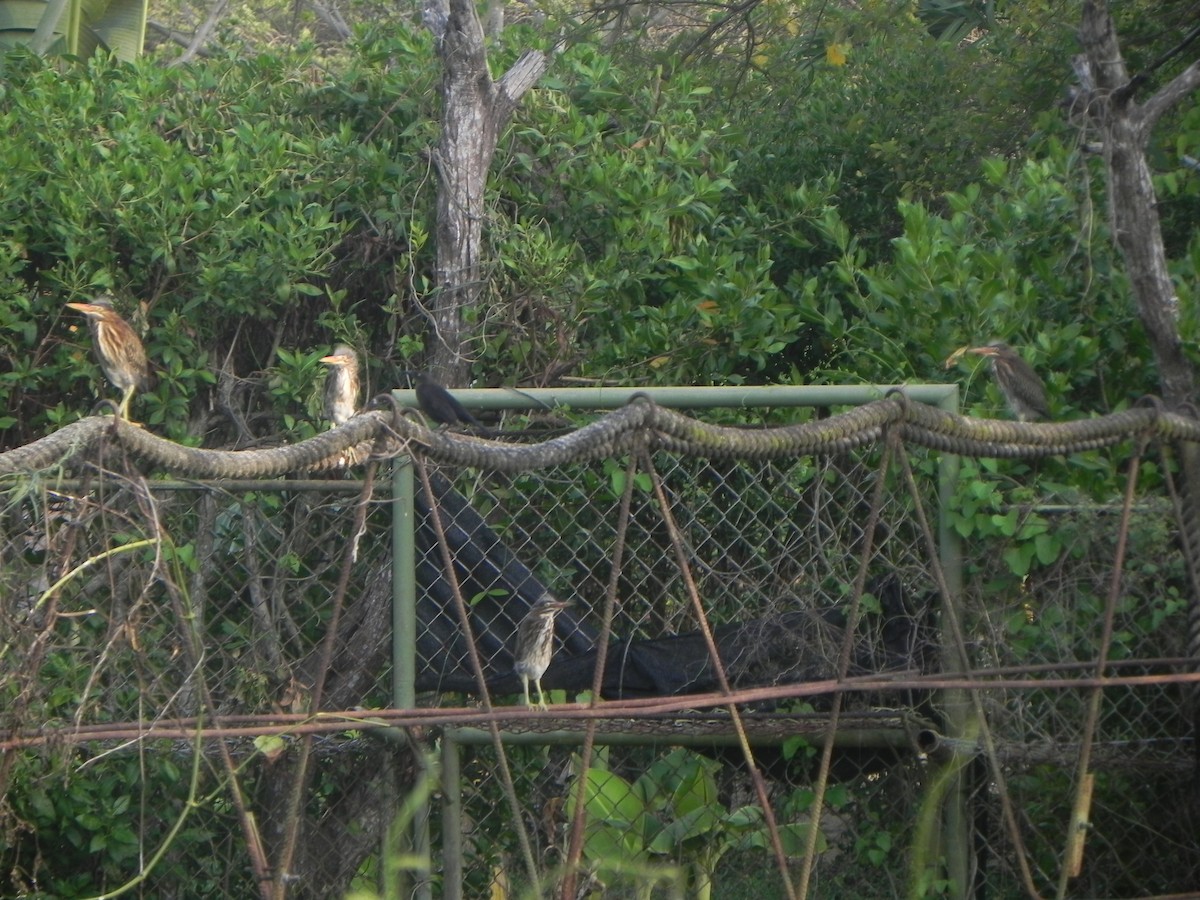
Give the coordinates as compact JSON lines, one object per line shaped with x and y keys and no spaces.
{"x":956,"y":824}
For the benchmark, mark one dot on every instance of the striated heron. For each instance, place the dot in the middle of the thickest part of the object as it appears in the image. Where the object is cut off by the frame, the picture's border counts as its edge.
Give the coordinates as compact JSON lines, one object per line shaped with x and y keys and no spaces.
{"x":341,"y":385}
{"x":439,"y":404}
{"x":1021,"y":386}
{"x":118,"y":348}
{"x":535,"y":644}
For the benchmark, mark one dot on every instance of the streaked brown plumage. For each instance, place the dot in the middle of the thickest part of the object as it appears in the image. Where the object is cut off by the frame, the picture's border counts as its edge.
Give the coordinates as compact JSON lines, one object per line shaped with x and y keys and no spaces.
{"x":1022,"y":388}
{"x":535,"y":644}
{"x":118,"y":349}
{"x":341,"y":386}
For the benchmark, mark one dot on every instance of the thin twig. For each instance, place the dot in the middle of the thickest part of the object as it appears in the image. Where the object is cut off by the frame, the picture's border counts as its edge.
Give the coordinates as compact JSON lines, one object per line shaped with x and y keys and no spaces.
{"x":1078,"y":807}
{"x":295,"y":811}
{"x":464,"y":622}
{"x":950,"y":612}
{"x":843,"y":668}
{"x":575,"y":849}
{"x":760,"y":786}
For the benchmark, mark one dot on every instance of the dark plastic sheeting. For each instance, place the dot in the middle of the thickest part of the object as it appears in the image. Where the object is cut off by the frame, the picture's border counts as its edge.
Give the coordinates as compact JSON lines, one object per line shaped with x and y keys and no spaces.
{"x":796,"y":646}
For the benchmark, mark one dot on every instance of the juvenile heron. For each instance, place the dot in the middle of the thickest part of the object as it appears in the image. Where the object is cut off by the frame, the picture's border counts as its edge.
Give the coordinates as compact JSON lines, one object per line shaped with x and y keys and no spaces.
{"x":118,"y":348}
{"x":535,"y":644}
{"x":341,"y":386}
{"x":439,"y":404}
{"x":1022,"y":388}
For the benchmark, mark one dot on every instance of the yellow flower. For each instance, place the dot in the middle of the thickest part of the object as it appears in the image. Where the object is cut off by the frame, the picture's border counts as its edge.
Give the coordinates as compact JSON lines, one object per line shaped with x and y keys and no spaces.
{"x":835,"y":54}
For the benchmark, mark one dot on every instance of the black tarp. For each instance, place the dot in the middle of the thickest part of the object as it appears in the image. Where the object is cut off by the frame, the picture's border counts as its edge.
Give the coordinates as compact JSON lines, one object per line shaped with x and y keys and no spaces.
{"x":794,"y":646}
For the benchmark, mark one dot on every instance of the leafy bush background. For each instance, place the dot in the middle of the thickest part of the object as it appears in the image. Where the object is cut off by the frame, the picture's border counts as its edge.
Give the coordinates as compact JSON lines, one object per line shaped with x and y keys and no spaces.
{"x":808,"y":222}
{"x":837,"y":223}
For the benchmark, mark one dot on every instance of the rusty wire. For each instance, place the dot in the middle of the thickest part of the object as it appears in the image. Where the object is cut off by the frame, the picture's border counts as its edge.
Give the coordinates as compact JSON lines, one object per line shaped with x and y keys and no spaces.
{"x":616,"y":712}
{"x":950,"y":609}
{"x":464,"y":621}
{"x":1076,"y":828}
{"x":303,"y":769}
{"x":681,"y":560}
{"x":659,"y":428}
{"x":575,"y":848}
{"x":843,"y":664}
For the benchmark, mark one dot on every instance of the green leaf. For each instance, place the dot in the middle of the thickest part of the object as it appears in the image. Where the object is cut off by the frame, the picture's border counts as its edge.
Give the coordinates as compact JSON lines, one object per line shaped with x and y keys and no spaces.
{"x":617,"y":481}
{"x":603,"y":841}
{"x":1048,"y":548}
{"x":745,"y":817}
{"x":1018,"y":559}
{"x":270,"y":744}
{"x":611,"y":798}
{"x":43,"y":806}
{"x":793,"y":836}
{"x":1006,"y":524}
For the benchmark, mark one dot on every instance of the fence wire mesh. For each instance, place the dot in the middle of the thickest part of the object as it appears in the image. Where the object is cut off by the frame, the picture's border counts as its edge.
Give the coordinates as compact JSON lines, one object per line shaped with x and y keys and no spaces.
{"x":129,"y":603}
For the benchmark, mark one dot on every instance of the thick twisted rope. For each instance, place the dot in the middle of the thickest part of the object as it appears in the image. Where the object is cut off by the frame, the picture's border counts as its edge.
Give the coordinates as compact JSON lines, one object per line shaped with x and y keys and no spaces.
{"x":610,"y":435}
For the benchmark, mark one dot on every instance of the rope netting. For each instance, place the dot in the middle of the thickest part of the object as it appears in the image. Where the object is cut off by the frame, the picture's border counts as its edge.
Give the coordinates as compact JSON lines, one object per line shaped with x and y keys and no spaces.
{"x":886,"y":684}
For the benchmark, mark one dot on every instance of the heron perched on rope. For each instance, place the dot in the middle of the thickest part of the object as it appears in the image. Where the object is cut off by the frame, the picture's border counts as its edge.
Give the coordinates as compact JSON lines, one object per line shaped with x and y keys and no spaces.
{"x":341,"y":386}
{"x":1023,"y":390}
{"x":118,"y":348}
{"x":535,"y":644}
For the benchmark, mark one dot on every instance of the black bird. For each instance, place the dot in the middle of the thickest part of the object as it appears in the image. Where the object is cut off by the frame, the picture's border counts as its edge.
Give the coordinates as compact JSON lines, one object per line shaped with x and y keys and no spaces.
{"x":535,"y":644}
{"x":439,"y":404}
{"x":341,"y":385}
{"x":1020,"y":385}
{"x":118,"y":348}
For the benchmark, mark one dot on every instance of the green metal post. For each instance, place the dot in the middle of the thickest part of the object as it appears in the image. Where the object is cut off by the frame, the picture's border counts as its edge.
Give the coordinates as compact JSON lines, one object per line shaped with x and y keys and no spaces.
{"x":690,"y":397}
{"x":404,"y":587}
{"x":452,"y":843}
{"x":404,"y":643}
{"x":957,"y":822}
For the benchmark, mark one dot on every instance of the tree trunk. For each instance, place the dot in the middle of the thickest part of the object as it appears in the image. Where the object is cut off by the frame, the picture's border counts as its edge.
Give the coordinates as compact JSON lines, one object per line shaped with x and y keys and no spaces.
{"x":1125,"y":129}
{"x":474,"y":110}
{"x":1124,"y":126}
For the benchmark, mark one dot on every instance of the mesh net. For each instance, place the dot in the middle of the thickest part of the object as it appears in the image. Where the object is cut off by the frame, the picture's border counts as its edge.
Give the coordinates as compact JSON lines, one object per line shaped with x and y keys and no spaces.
{"x":165,"y":642}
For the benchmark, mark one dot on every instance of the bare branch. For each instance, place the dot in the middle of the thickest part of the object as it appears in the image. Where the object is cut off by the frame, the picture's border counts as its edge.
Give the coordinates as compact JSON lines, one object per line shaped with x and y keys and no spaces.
{"x":475,"y":110}
{"x":1137,"y":231}
{"x":332,"y":17}
{"x":200,"y":38}
{"x":1140,"y":78}
{"x":177,"y":37}
{"x":1170,"y":94}
{"x":518,"y":80}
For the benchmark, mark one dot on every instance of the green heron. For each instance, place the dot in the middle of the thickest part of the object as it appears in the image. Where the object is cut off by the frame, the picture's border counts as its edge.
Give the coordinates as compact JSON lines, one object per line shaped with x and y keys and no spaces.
{"x":1020,"y":385}
{"x":535,"y":644}
{"x":118,"y":348}
{"x":341,"y":386}
{"x":439,"y":404}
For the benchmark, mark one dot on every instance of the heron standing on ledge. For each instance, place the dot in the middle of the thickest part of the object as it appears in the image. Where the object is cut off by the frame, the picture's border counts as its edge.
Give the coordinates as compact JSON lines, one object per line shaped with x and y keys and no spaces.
{"x":118,"y":348}
{"x":535,"y":644}
{"x":1022,"y":388}
{"x":341,"y":385}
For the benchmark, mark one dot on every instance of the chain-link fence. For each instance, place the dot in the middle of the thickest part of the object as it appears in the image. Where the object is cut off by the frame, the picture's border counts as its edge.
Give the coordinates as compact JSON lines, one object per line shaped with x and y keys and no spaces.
{"x":164,"y":643}
{"x":131,"y":603}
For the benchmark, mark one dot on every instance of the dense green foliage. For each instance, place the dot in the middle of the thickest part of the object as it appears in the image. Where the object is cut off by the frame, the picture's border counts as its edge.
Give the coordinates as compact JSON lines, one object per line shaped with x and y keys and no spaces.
{"x":837,"y":223}
{"x":233,"y":209}
{"x":844,"y":223}
{"x":907,"y":116}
